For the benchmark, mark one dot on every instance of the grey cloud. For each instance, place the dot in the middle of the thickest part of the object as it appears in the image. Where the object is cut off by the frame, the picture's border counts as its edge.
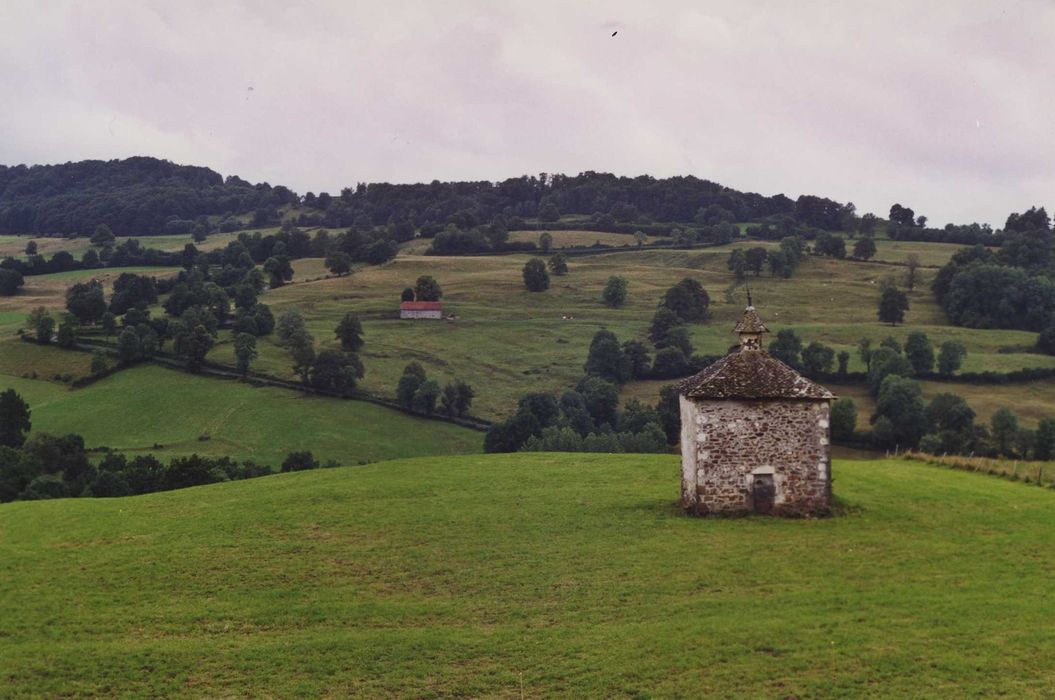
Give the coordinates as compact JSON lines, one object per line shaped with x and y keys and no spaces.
{"x":945,"y":106}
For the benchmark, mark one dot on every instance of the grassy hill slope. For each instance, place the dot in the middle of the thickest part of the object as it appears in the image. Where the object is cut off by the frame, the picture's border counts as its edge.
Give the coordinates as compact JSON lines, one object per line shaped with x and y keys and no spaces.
{"x":530,"y":576}
{"x":136,"y":409}
{"x":510,"y":341}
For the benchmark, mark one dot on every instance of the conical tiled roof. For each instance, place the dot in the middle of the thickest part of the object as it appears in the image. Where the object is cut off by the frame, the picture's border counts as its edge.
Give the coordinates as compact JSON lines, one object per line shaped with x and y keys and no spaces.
{"x":750,"y":322}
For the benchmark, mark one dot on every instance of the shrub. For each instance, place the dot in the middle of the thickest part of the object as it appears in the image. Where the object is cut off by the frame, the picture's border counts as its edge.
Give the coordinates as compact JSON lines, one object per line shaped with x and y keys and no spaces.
{"x":299,"y":461}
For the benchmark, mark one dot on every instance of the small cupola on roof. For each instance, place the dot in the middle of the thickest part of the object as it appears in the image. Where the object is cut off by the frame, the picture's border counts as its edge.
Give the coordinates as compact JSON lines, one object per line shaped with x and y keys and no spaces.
{"x":751,"y":373}
{"x":750,"y":329}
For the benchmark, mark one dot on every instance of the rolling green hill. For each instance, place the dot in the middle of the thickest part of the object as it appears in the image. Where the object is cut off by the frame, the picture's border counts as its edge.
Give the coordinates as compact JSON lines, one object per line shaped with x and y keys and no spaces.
{"x":509,"y":341}
{"x":530,"y":576}
{"x":169,"y":413}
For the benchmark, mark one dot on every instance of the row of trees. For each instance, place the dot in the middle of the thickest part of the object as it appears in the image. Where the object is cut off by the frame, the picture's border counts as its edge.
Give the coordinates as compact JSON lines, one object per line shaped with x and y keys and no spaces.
{"x":274,"y":252}
{"x":330,"y":370}
{"x":685,"y":302}
{"x":426,"y":288}
{"x":944,"y":425}
{"x":1013,"y":287}
{"x":781,"y":262}
{"x":50,"y":466}
{"x":917,"y":358}
{"x":584,"y":419}
{"x":146,"y":196}
{"x":419,"y":394}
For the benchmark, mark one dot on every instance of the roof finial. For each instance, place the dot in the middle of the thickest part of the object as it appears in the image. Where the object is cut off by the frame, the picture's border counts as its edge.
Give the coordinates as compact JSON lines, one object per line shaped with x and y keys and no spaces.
{"x":749,"y":304}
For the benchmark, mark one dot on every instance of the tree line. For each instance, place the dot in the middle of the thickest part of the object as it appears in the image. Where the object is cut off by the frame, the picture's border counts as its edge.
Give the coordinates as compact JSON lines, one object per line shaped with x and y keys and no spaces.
{"x":148,"y":196}
{"x":273,"y":251}
{"x":58,"y":466}
{"x":1012,"y":287}
{"x":135,"y":196}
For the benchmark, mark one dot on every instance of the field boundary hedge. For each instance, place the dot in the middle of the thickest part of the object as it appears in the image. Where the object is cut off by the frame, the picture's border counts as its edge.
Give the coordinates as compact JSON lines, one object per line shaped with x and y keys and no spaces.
{"x":215,"y":369}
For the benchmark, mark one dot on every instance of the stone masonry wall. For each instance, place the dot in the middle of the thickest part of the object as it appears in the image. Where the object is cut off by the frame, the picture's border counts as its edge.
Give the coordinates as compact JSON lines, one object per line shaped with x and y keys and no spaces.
{"x":725,"y":444}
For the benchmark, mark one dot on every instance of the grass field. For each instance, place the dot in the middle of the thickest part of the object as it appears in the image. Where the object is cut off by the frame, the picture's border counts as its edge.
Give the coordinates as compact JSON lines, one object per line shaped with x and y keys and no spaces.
{"x":530,"y":576}
{"x":15,"y":246}
{"x":561,"y":239}
{"x":509,"y":341}
{"x":19,"y":359}
{"x":50,"y":290}
{"x":580,"y":239}
{"x":137,"y":409}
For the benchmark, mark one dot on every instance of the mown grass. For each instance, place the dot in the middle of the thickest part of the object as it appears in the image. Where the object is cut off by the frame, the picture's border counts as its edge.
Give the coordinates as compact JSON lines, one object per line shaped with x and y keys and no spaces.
{"x":530,"y":576}
{"x":168,"y":413}
{"x":1041,"y":473}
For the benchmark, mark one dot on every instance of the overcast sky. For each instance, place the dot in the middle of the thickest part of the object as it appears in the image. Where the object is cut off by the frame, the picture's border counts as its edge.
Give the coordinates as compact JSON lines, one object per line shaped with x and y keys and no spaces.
{"x":947,"y":107}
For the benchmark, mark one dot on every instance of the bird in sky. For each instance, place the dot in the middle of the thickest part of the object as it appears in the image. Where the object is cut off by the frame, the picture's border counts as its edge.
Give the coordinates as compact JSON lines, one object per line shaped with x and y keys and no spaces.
{"x":615,"y":32}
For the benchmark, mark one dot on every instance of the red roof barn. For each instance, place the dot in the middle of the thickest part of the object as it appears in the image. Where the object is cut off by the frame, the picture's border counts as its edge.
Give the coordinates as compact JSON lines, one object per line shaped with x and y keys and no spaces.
{"x":421,"y":309}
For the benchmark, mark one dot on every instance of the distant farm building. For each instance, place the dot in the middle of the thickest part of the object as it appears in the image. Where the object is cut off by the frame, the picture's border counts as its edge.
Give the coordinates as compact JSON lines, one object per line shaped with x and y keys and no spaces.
{"x":421,"y":309}
{"x":755,"y":434}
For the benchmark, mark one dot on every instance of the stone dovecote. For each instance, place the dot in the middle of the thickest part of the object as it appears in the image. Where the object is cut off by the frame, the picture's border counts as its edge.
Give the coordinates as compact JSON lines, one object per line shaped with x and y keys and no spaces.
{"x":755,"y":434}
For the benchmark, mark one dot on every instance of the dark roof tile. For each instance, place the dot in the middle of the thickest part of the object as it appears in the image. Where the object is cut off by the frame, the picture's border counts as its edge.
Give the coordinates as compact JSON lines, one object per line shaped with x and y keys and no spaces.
{"x":750,"y":374}
{"x":750,"y":322}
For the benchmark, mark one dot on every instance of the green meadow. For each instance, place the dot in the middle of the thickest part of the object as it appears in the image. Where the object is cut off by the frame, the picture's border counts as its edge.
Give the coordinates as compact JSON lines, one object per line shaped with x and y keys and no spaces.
{"x":15,"y":246}
{"x":170,"y":413}
{"x":508,"y":341}
{"x":541,"y":576}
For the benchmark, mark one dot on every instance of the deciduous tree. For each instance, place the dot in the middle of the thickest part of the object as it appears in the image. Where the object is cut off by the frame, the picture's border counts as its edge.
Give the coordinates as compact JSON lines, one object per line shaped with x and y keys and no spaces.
{"x":545,"y":241}
{"x":42,"y":324}
{"x":558,"y":264}
{"x":14,"y":419}
{"x":818,"y":358}
{"x":786,"y":347}
{"x":892,"y":306}
{"x":1003,"y":425}
{"x":865,"y":248}
{"x":244,"y":351}
{"x":338,"y":262}
{"x":427,"y":289}
{"x":920,"y":352}
{"x":900,"y":402}
{"x":350,"y":332}
{"x":606,"y":358}
{"x":413,"y":376}
{"x":843,"y":419}
{"x":688,"y":299}
{"x":614,"y":294}
{"x":536,"y":279}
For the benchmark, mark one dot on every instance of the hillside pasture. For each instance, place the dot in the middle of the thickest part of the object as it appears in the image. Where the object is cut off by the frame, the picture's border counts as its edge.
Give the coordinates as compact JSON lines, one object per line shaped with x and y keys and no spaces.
{"x":15,"y":246}
{"x":49,"y":291}
{"x":19,"y":358}
{"x":513,"y":576}
{"x":509,"y":341}
{"x":169,"y":413}
{"x":581,"y":239}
